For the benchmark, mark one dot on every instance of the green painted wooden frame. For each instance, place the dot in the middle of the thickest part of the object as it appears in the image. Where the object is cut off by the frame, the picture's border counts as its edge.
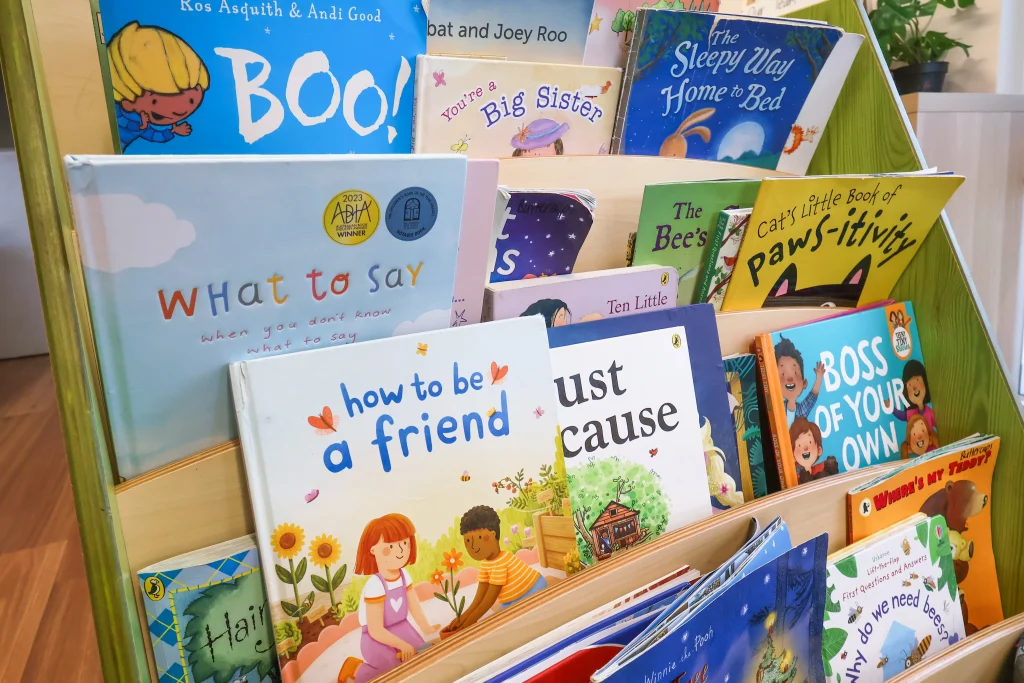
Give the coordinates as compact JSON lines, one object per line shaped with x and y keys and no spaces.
{"x":966,"y":373}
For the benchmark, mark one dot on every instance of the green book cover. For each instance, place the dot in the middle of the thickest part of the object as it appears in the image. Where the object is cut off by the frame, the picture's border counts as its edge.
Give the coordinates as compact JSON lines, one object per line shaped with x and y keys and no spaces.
{"x":677,"y":222}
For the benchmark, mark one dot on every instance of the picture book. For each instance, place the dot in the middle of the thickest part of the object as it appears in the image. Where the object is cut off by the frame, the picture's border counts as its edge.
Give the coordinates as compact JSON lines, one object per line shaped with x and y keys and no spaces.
{"x":474,"y":241}
{"x":677,"y":226}
{"x":955,"y":482}
{"x":539,"y":233}
{"x":418,"y":476}
{"x":705,"y":357}
{"x":191,"y":263}
{"x":842,"y":240}
{"x":741,"y":382}
{"x":194,"y":77}
{"x":524,"y":31}
{"x":725,"y":245}
{"x":194,"y":600}
{"x":612,"y":24}
{"x":729,"y":88}
{"x":489,"y":108}
{"x":582,"y":297}
{"x":766,"y":8}
{"x":891,"y":601}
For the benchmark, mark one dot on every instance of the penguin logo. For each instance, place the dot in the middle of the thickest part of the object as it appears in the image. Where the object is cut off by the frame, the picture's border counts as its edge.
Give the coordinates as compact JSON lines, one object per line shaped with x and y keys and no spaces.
{"x":154,"y":588}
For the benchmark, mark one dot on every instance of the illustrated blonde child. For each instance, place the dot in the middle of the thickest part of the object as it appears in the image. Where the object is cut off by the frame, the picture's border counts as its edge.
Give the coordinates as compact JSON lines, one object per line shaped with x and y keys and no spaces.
{"x":158,"y":81}
{"x":387,"y":546}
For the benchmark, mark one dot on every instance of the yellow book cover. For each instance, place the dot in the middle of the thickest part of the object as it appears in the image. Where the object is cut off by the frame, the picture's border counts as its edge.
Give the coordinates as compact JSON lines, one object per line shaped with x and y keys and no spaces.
{"x":843,"y":240}
{"x":955,"y":482}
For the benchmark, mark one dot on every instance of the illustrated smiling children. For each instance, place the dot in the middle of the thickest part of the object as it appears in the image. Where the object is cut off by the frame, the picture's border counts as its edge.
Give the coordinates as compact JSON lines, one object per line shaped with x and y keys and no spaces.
{"x":920,"y":438}
{"x":791,"y":377}
{"x":158,"y":80}
{"x":807,"y":449}
{"x":540,"y":138}
{"x":915,"y":390}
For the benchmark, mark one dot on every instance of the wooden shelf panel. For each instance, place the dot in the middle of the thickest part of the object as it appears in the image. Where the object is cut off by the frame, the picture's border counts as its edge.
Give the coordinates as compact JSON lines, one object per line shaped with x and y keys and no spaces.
{"x":985,"y":657}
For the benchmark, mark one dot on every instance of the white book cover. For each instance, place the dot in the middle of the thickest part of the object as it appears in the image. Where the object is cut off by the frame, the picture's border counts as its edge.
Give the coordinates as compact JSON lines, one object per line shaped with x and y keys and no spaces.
{"x":398,"y":489}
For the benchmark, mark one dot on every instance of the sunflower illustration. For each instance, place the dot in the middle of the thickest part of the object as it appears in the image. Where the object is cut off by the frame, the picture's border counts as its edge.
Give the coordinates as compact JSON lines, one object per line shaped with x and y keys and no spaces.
{"x":287,"y":540}
{"x":324,"y":550}
{"x":453,"y":560}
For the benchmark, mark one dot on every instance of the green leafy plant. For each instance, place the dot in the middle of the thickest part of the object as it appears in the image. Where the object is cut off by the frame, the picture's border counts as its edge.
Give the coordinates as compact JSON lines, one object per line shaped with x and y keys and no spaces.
{"x":901,"y":27}
{"x":286,"y":630}
{"x":450,"y":586}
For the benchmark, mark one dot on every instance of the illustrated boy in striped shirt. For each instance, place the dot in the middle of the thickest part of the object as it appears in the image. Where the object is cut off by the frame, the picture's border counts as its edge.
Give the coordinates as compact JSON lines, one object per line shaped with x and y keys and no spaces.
{"x":502,"y":577}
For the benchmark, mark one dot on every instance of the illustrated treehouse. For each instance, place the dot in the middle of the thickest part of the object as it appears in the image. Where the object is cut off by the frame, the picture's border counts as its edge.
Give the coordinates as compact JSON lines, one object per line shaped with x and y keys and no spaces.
{"x":617,"y":527}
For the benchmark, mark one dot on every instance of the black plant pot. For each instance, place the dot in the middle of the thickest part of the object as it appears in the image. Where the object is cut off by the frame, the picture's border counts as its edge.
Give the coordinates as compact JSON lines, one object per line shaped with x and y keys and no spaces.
{"x":927,"y":77}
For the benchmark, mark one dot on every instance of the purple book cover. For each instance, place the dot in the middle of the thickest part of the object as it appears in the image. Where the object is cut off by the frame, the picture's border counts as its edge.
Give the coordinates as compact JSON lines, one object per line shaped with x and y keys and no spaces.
{"x":541,"y":234}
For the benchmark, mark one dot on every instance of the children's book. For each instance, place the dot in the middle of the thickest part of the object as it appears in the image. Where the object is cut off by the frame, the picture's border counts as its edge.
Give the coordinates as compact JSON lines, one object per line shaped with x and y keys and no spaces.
{"x":677,"y":226}
{"x":728,"y":88}
{"x":891,"y":601}
{"x":766,"y":8}
{"x":725,"y":245}
{"x":612,"y":24}
{"x":846,"y":392}
{"x":955,"y":482}
{"x":208,"y":615}
{"x":840,"y":240}
{"x":474,"y":241}
{"x":525,"y":31}
{"x":539,"y":233}
{"x":741,"y":382}
{"x":418,"y":477}
{"x":197,"y":77}
{"x":489,"y":108}
{"x":193,"y":262}
{"x":705,"y":357}
{"x":582,"y":297}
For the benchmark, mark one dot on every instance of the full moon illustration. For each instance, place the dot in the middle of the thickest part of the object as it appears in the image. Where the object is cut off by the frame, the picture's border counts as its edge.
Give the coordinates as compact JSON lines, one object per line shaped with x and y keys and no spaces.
{"x":744,"y":137}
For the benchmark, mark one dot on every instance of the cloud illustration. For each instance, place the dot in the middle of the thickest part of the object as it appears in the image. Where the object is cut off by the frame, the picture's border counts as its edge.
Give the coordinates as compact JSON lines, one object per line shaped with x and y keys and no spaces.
{"x":436,"y":319}
{"x":120,"y":231}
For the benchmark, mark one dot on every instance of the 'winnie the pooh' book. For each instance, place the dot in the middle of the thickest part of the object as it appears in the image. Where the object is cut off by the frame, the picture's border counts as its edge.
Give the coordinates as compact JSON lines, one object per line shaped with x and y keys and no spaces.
{"x":402,"y":489}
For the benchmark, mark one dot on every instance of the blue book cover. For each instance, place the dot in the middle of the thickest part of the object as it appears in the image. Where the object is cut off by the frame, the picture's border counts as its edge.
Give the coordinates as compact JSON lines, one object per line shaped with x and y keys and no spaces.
{"x":717,"y":430}
{"x":738,"y":89}
{"x":191,"y":263}
{"x":227,"y":77}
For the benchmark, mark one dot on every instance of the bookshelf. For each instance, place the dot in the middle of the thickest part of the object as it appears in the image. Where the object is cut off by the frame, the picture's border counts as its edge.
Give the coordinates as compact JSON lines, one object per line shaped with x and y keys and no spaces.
{"x":53,"y":80}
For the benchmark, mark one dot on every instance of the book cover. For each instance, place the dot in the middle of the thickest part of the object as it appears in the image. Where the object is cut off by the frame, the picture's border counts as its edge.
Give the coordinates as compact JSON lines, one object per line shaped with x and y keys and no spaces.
{"x":891,"y":601}
{"x":488,"y":108}
{"x":582,"y":297}
{"x":612,"y":24}
{"x":725,"y":245}
{"x":524,"y":31}
{"x":474,"y":241}
{"x":766,"y":8}
{"x":955,"y":482}
{"x":847,"y":392}
{"x":708,"y":380}
{"x":191,"y":263}
{"x":202,"y":77}
{"x":677,"y":225}
{"x":417,"y":475}
{"x":208,"y":616}
{"x":738,"y":89}
{"x":539,"y":232}
{"x":741,"y":380}
{"x":843,"y":240}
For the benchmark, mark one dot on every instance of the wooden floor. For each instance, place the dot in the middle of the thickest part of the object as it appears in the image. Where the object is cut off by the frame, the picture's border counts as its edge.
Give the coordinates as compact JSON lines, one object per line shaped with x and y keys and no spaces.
{"x":45,"y":618}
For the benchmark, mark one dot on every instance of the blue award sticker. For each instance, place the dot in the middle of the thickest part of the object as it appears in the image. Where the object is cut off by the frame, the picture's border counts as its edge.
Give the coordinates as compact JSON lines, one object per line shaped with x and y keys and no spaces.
{"x":411,"y":214}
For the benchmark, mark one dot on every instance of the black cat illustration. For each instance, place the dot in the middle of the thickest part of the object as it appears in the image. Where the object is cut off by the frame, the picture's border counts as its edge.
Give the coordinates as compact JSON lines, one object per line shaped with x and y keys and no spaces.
{"x":846,"y":293}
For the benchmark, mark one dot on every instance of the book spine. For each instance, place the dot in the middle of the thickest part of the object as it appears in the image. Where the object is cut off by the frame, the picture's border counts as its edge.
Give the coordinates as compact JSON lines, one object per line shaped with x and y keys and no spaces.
{"x":630,"y":248}
{"x":487,"y":314}
{"x":627,"y":83}
{"x":712,"y":257}
{"x":768,"y":369}
{"x":421,"y":79}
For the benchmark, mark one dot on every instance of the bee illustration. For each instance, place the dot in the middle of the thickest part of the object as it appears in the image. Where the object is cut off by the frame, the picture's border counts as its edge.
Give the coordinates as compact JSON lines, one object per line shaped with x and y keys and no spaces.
{"x":843,"y":656}
{"x":917,"y":653}
{"x":491,"y":412}
{"x":905,"y":582}
{"x":882,"y":662}
{"x":465,"y":475}
{"x":855,"y":613}
{"x":914,"y":576}
{"x":929,"y":583}
{"x":906,"y":546}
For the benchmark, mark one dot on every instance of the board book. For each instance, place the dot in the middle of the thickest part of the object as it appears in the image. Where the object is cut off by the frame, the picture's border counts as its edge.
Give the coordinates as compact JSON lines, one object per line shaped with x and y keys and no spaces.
{"x":955,"y":482}
{"x":191,"y":77}
{"x":474,"y":241}
{"x":193,"y":262}
{"x":612,"y":24}
{"x":741,"y":381}
{"x":725,"y":245}
{"x":208,"y":616}
{"x":728,"y":88}
{"x":582,"y":297}
{"x":844,"y":240}
{"x":847,"y":392}
{"x":488,"y":108}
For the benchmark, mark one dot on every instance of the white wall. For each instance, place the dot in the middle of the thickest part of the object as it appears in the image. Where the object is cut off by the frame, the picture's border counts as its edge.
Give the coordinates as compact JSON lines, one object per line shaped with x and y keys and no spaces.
{"x":978,"y":27}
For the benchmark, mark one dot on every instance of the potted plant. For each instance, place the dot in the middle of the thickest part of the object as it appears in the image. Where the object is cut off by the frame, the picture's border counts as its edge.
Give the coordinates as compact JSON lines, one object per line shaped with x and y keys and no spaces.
{"x":901,"y":27}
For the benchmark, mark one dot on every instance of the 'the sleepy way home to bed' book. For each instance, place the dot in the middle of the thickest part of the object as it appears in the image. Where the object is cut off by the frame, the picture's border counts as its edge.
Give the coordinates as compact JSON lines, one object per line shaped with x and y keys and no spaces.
{"x":417,"y":474}
{"x":721,"y":260}
{"x":582,"y":297}
{"x":891,"y":601}
{"x":192,"y":77}
{"x":741,"y":382}
{"x":843,"y":240}
{"x":612,"y":24}
{"x":208,"y":616}
{"x":738,"y":89}
{"x":489,"y":108}
{"x":193,"y":262}
{"x":677,"y":224}
{"x":846,"y":392}
{"x":475,"y":241}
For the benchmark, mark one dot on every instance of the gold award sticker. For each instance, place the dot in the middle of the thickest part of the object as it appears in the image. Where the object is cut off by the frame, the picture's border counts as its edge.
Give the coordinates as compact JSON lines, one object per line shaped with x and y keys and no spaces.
{"x":351,"y":217}
{"x":154,"y":588}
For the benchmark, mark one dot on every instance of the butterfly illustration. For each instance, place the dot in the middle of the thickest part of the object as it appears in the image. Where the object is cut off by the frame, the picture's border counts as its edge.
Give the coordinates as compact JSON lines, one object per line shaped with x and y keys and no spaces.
{"x":311,"y":496}
{"x":498,"y":372}
{"x":439,"y":79}
{"x":324,"y":423}
{"x":465,"y":475}
{"x":461,"y":146}
{"x":653,"y":452}
{"x":421,"y":349}
{"x":538,"y":412}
